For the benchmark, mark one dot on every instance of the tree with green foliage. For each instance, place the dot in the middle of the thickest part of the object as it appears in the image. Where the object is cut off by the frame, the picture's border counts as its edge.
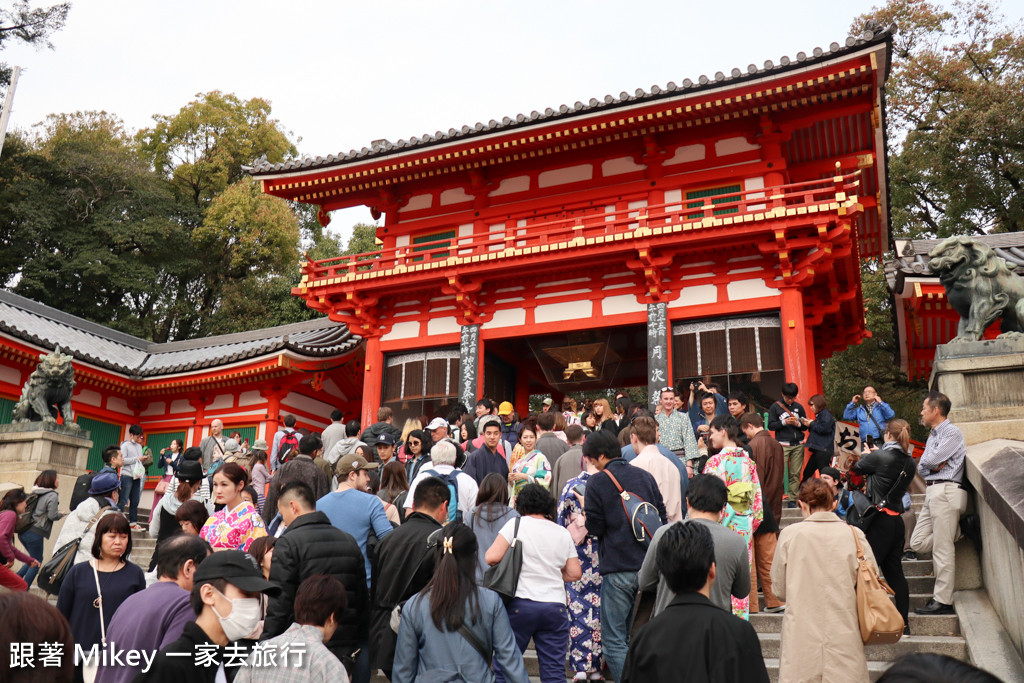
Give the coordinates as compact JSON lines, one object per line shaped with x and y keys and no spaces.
{"x":954,"y":102}
{"x":86,"y":223}
{"x":20,"y":22}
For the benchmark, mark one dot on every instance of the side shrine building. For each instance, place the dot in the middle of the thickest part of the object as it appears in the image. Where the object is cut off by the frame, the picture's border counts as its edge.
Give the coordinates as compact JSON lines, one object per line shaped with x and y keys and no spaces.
{"x":713,"y":229}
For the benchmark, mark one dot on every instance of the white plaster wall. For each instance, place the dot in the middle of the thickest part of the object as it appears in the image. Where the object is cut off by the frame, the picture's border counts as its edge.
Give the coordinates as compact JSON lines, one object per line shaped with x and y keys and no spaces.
{"x":509,"y":185}
{"x":673,"y":200}
{"x":307,"y":405}
{"x":733,"y":146}
{"x":420,"y":201}
{"x":570,"y":310}
{"x":561,"y":176}
{"x":696,"y":296}
{"x":402,"y":241}
{"x":8,"y":374}
{"x":90,"y":398}
{"x":155,"y":408}
{"x":405,"y":330}
{"x":118,"y":405}
{"x":620,"y":166}
{"x":454,"y":196}
{"x":751,"y":184}
{"x":221,"y":402}
{"x":510,"y":317}
{"x":444,"y":325}
{"x":181,"y":406}
{"x":254,"y":414}
{"x":686,"y":153}
{"x":749,"y":289}
{"x":623,"y":303}
{"x":250,"y":398}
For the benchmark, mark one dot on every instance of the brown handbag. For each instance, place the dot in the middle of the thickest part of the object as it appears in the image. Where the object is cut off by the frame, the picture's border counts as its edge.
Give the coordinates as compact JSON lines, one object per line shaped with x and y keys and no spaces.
{"x":880,"y":621}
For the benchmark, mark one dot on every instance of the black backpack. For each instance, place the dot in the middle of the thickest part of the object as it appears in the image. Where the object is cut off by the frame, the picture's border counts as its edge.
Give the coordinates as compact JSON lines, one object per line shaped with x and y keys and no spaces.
{"x":25,"y":522}
{"x":81,"y":490}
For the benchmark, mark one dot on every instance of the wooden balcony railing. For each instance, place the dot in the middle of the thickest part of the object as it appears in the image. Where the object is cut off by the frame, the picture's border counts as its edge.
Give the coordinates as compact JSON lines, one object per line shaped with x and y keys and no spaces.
{"x":787,"y":200}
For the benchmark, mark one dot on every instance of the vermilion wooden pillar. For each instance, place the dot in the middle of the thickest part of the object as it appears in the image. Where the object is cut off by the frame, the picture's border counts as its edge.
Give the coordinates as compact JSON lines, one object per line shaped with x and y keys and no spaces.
{"x":373,"y":377}
{"x":799,"y":357}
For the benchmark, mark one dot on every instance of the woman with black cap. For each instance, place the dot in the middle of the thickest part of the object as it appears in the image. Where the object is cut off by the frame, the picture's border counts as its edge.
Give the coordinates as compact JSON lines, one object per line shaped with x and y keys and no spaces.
{"x":190,"y":478}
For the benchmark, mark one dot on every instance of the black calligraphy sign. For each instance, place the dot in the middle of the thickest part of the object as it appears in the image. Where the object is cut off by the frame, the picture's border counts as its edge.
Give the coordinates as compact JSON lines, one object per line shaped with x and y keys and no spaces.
{"x":469,"y":356}
{"x":657,"y":351}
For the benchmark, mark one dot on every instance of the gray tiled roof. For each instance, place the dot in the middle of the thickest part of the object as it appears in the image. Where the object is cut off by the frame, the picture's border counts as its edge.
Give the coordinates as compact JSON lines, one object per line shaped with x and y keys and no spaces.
{"x":913,"y":261}
{"x":49,"y":327}
{"x":872,"y":35}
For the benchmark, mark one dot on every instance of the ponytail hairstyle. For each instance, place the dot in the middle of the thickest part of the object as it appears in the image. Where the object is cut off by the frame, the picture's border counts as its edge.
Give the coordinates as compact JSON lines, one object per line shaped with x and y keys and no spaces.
{"x":452,"y":590}
{"x":186,"y":489}
{"x":899,"y":430}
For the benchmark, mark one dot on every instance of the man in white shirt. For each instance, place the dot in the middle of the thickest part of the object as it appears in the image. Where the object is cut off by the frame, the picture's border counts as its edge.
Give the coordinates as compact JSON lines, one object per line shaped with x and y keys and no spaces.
{"x":442,"y":465}
{"x":645,"y":442}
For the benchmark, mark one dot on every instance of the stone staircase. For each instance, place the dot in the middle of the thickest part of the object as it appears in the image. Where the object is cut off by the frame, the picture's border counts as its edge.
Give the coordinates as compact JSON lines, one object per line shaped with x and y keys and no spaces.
{"x":934,"y":634}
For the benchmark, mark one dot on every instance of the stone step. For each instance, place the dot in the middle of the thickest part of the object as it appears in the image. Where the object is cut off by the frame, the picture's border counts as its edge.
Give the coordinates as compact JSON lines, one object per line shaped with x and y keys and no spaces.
{"x":952,"y":646}
{"x":875,"y":669}
{"x":919,"y":567}
{"x":944,"y":625}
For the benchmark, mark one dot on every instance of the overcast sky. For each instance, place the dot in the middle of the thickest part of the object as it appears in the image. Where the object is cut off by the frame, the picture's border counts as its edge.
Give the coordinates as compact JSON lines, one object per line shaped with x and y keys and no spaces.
{"x":341,"y":73}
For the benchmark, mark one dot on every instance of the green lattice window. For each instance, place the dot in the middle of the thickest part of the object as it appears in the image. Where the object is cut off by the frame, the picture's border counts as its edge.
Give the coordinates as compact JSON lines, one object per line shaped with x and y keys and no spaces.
{"x":426,"y":240}
{"x":103,"y":434}
{"x":6,"y":408}
{"x":245,"y":432}
{"x":722,"y":195}
{"x":157,"y":441}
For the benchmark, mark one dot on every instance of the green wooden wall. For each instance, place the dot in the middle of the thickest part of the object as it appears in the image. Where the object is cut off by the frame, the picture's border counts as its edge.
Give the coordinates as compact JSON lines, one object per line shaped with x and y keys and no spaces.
{"x":103,"y":434}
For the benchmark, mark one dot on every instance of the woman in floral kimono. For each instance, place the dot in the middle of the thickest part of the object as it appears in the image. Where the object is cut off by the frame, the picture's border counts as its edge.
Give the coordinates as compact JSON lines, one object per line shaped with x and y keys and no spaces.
{"x":585,"y":594}
{"x":533,"y":467}
{"x":744,"y":512}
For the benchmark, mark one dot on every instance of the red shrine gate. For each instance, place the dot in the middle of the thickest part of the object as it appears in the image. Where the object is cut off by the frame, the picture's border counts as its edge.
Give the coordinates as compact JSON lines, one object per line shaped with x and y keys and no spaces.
{"x":713,"y":229}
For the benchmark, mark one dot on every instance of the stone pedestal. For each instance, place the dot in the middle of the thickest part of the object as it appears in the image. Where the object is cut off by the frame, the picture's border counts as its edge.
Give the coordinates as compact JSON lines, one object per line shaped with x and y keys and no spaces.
{"x":985,"y":382}
{"x":26,"y":449}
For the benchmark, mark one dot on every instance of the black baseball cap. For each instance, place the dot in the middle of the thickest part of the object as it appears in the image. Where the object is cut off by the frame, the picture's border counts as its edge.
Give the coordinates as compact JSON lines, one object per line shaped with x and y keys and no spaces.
{"x":238,"y":569}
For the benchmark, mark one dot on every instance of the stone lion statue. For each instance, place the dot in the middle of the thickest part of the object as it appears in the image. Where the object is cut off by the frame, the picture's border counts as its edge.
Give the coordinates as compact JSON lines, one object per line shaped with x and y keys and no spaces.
{"x":980,"y":286}
{"x":48,"y":391}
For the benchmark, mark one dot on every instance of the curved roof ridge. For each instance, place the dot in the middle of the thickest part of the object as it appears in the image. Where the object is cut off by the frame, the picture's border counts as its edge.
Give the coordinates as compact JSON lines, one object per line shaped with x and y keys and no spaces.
{"x":871,"y":35}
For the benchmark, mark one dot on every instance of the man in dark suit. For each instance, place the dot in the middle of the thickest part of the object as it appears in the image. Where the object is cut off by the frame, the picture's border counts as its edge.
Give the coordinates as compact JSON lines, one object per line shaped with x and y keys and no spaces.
{"x":692,"y":634}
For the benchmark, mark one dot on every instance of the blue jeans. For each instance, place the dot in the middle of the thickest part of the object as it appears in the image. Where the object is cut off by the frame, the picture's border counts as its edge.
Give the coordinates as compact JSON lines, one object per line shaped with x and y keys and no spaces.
{"x":547,"y":623}
{"x":131,"y":491}
{"x":33,"y":543}
{"x":618,"y":593}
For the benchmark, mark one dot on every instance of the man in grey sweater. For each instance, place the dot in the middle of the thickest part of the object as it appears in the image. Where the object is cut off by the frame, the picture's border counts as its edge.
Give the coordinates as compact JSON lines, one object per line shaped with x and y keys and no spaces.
{"x":706,"y":497}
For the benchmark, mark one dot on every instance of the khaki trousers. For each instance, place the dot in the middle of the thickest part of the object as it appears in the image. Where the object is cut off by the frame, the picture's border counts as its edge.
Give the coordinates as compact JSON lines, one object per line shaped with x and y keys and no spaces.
{"x":761,"y":567}
{"x":794,"y":456}
{"x":937,"y":529}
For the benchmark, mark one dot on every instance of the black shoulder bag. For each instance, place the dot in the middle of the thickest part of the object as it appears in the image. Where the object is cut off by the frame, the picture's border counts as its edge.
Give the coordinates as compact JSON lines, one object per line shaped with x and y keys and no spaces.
{"x":862,"y":513}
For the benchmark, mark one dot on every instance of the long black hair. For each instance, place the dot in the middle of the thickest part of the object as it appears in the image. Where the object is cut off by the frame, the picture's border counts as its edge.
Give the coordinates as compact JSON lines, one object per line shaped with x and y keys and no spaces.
{"x":453,"y":596}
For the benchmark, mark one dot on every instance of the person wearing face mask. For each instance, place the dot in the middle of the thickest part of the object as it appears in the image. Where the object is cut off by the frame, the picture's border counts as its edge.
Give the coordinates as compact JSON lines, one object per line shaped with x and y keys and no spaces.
{"x":319,"y":603}
{"x":225,"y":599}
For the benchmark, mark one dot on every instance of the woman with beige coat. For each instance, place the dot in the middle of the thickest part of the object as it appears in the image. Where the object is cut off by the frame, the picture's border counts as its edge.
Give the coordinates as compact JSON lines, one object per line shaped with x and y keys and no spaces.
{"x":815,"y":572}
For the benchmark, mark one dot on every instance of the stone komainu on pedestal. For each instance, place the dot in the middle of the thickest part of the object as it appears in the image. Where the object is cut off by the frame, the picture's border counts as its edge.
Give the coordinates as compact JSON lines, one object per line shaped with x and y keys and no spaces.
{"x":47,"y":393}
{"x":980,"y":286}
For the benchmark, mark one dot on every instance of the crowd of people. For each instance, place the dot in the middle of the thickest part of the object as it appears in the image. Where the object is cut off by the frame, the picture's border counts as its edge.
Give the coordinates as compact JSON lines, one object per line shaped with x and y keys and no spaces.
{"x":443,"y":549}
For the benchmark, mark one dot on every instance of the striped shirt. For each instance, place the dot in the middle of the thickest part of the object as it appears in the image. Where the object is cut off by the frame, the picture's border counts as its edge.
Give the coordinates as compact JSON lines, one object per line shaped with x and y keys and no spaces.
{"x":945,"y":444}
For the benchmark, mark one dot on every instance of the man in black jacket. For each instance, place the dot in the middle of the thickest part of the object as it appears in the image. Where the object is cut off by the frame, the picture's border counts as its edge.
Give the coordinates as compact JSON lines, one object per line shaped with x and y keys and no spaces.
{"x":312,"y":545}
{"x":693,"y":634}
{"x":404,"y":565}
{"x":621,"y":553}
{"x":222,"y":588}
{"x":299,"y":468}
